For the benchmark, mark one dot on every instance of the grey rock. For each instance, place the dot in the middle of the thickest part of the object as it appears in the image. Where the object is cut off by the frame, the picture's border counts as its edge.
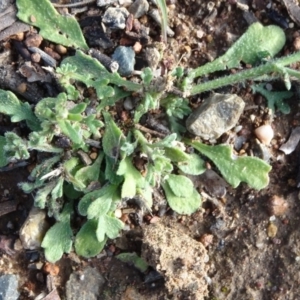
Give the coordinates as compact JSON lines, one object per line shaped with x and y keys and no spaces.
{"x":218,"y":114}
{"x":9,"y":287}
{"x":128,"y":104}
{"x":4,"y":4}
{"x":115,"y":17}
{"x":152,"y":57}
{"x":85,"y":286}
{"x":125,"y":56}
{"x":105,"y":2}
{"x":34,"y":229}
{"x":138,"y":8}
{"x":292,"y":142}
{"x":214,"y":184}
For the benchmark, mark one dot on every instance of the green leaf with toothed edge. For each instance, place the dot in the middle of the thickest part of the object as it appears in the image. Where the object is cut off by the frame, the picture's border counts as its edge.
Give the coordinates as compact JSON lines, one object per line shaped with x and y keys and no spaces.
{"x":58,"y":239}
{"x":54,"y":27}
{"x":86,"y":242}
{"x":10,"y":105}
{"x":182,"y":205}
{"x":235,"y":170}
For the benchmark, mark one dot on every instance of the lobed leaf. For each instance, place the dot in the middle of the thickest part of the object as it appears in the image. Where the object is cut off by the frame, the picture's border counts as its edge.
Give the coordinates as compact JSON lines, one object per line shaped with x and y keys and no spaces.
{"x":54,"y":27}
{"x":195,"y":165}
{"x":182,"y":205}
{"x":180,"y":185}
{"x":86,"y":242}
{"x":18,"y":111}
{"x":109,"y":226}
{"x":58,"y":239}
{"x":251,"y":170}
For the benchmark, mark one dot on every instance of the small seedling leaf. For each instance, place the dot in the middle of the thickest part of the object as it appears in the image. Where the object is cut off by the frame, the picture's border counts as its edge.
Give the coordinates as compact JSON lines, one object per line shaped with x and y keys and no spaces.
{"x":86,"y":242}
{"x":108,"y":191}
{"x":275,"y":99}
{"x":180,"y":185}
{"x":90,"y":173}
{"x":251,"y":170}
{"x":54,"y":27}
{"x":58,"y":239}
{"x":113,"y":226}
{"x":133,"y":259}
{"x":175,"y":154}
{"x":112,"y":138}
{"x":132,"y":178}
{"x":182,"y":205}
{"x":109,"y":226}
{"x":10,"y":105}
{"x":195,"y":165}
{"x":99,"y":207}
{"x":85,"y":64}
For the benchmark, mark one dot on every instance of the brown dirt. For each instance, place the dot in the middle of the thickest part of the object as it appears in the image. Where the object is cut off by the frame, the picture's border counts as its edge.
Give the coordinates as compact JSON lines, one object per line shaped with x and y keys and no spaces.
{"x":244,"y":262}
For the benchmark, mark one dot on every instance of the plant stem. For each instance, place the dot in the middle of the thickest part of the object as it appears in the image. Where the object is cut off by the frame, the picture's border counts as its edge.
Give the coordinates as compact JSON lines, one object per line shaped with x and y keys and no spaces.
{"x":267,"y":68}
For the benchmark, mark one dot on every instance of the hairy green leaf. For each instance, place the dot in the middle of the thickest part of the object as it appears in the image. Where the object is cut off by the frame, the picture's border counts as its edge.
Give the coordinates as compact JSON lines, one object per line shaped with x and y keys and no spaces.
{"x":90,"y":173}
{"x":182,"y":205}
{"x":180,"y":185}
{"x":275,"y":99}
{"x":112,"y":138}
{"x":15,"y":147}
{"x":10,"y":105}
{"x":108,"y":191}
{"x":132,"y":178}
{"x":58,"y":239}
{"x":54,"y":27}
{"x":109,"y":226}
{"x":251,"y":170}
{"x":86,"y":242}
{"x":195,"y":165}
{"x":248,"y":48}
{"x":85,"y":66}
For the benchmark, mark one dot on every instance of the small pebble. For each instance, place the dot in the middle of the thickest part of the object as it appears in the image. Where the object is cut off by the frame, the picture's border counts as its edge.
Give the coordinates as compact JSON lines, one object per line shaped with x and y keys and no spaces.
{"x":118,"y":213}
{"x":35,"y":57}
{"x":137,"y":47}
{"x":93,"y":155}
{"x":138,"y":8}
{"x":33,"y":40}
{"x":125,"y":57}
{"x":128,"y":104}
{"x":51,"y":269}
{"x":61,"y":49}
{"x":22,"y":87}
{"x":206,"y":239}
{"x":272,"y":230}
{"x":115,"y":17}
{"x":277,"y":206}
{"x":264,"y":133}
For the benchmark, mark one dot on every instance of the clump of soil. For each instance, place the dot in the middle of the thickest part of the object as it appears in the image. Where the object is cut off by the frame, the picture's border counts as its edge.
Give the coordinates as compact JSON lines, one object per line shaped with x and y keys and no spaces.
{"x":179,"y":258}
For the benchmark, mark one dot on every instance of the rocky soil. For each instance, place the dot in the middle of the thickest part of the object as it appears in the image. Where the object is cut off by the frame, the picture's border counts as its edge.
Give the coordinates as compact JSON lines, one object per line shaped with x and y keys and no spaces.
{"x":241,"y":244}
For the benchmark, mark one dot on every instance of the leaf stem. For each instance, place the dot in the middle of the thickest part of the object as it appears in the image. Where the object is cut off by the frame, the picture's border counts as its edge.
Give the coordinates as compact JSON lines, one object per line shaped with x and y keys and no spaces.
{"x":267,"y":68}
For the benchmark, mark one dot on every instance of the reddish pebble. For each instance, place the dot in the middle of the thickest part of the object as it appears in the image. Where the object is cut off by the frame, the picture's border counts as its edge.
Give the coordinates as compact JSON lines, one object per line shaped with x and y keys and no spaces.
{"x":137,"y":47}
{"x":206,"y":239}
{"x":33,"y":40}
{"x":51,"y":269}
